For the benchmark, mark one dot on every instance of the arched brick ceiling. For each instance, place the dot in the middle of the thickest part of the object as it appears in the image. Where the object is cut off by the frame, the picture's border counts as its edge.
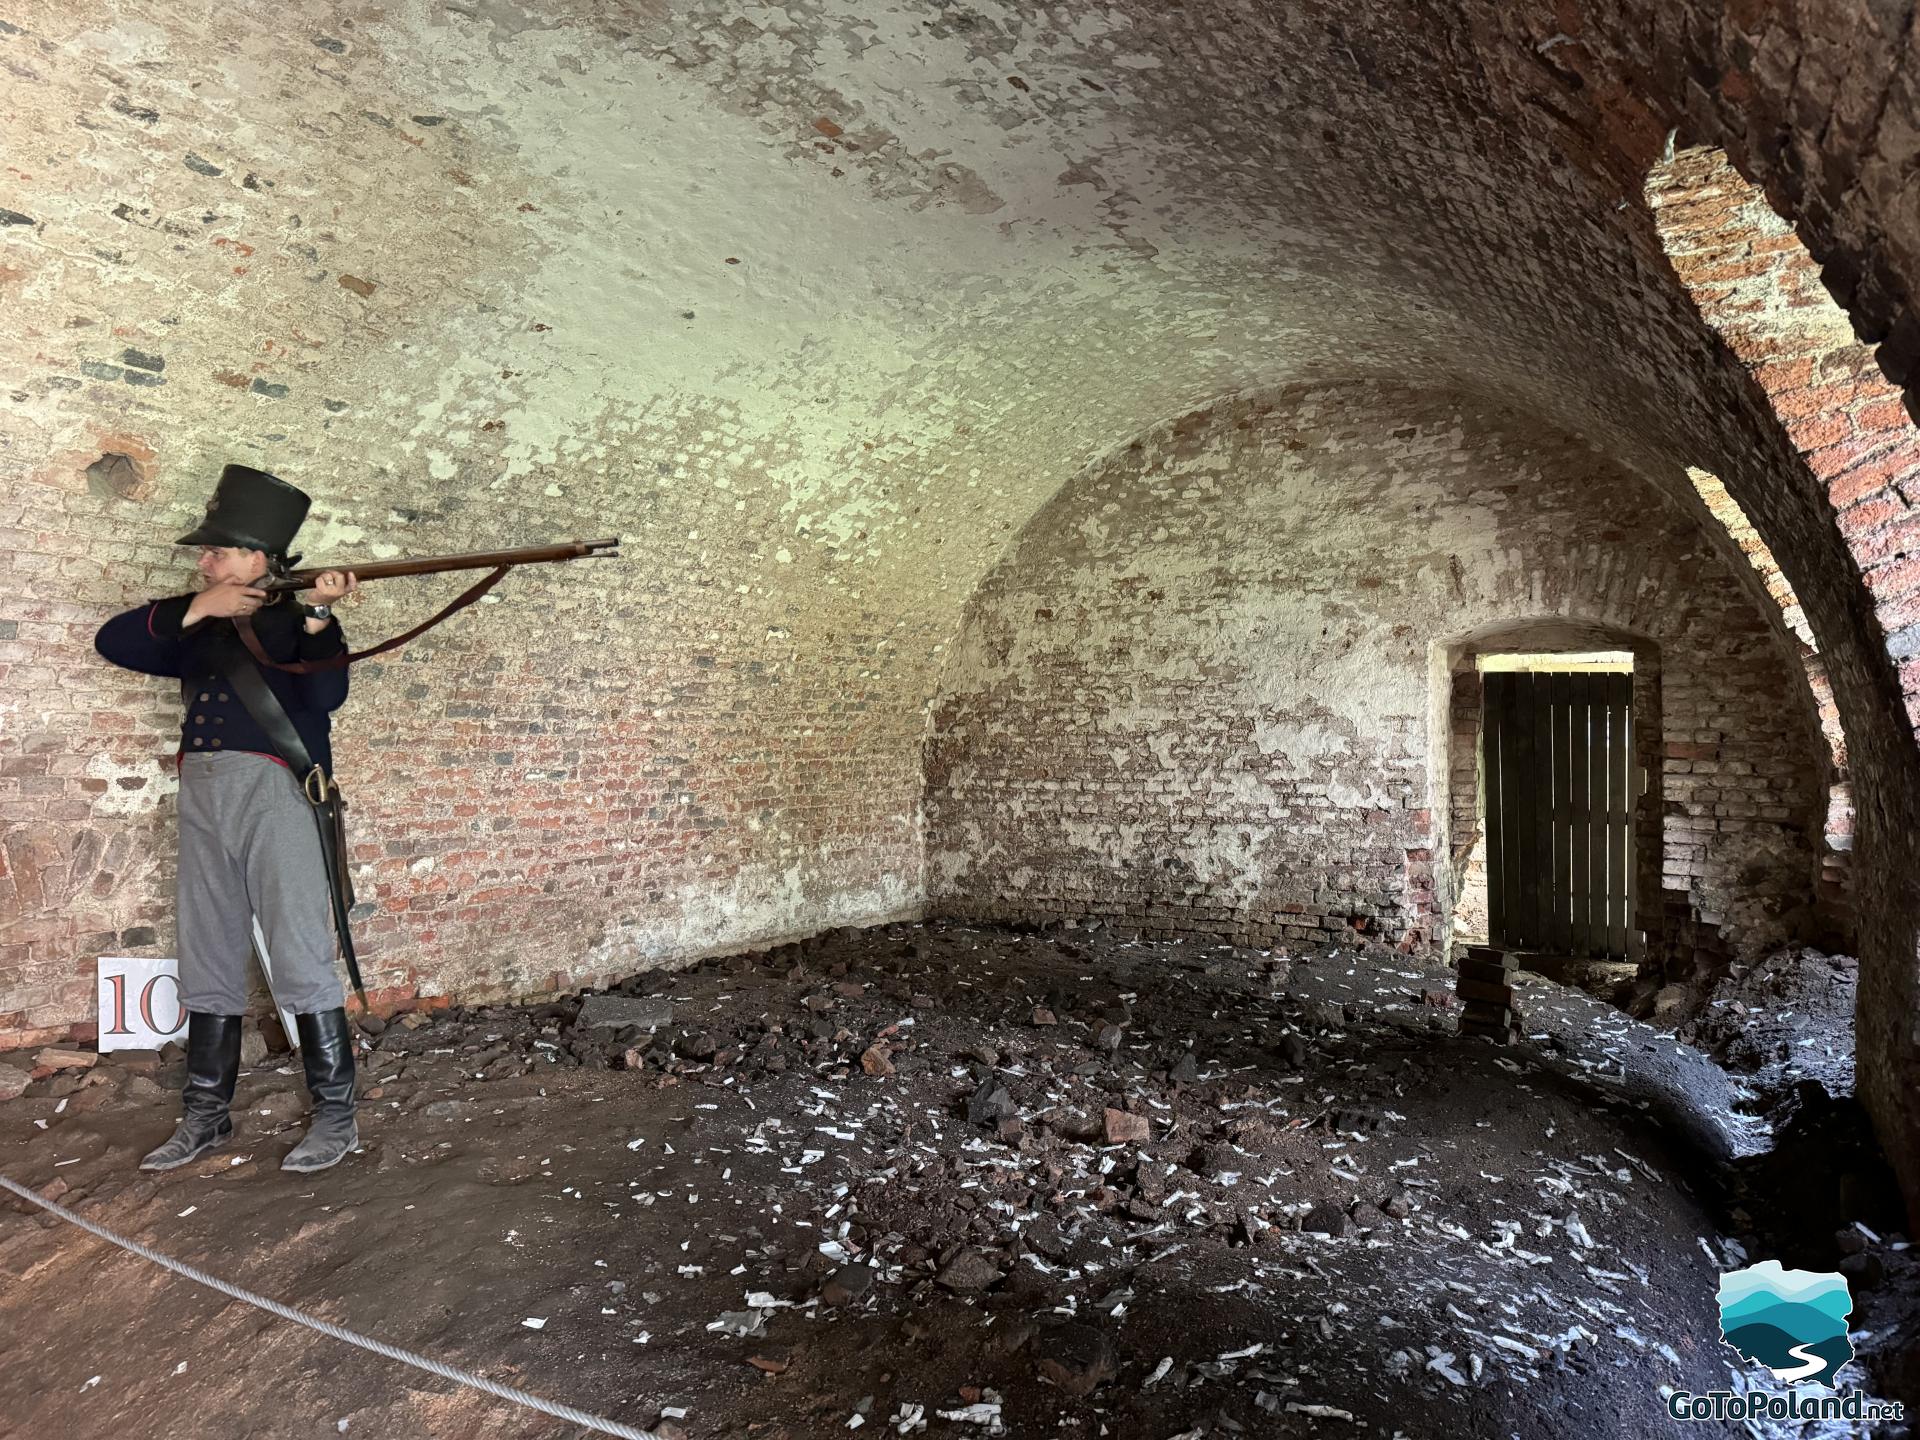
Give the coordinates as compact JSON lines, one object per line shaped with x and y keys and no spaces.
{"x":890,"y":275}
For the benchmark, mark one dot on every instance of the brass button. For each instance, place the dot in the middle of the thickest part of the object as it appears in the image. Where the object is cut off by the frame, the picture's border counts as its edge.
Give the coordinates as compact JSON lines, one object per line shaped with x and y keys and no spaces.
{"x":216,"y":744}
{"x":203,"y":695}
{"x":223,"y":697}
{"x":219,"y":719}
{"x":199,"y":719}
{"x":198,"y":741}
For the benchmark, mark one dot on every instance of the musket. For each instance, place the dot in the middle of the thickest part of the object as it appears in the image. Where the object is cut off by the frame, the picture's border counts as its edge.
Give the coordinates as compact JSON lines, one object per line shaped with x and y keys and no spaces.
{"x":322,"y":792}
{"x":280,"y":580}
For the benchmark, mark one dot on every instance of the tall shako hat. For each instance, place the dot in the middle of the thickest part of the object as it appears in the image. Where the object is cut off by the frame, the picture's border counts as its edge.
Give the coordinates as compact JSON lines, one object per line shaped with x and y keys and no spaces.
{"x":251,"y":510}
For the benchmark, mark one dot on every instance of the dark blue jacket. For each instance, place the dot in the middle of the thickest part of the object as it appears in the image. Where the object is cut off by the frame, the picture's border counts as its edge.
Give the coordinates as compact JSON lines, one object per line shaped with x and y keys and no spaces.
{"x":149,"y":639}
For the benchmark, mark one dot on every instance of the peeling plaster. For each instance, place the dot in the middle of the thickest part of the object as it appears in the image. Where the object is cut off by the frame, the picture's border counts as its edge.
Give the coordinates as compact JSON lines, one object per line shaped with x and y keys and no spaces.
{"x":759,"y":906}
{"x":139,"y":787}
{"x":1218,"y":708}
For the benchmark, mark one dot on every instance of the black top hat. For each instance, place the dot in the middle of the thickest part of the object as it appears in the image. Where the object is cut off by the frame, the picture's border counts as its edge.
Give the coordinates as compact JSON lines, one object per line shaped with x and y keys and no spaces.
{"x":251,"y":510}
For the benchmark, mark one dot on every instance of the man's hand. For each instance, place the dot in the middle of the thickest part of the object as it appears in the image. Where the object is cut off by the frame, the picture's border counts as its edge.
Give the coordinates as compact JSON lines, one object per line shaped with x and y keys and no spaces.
{"x":224,"y":600}
{"x":332,"y":586}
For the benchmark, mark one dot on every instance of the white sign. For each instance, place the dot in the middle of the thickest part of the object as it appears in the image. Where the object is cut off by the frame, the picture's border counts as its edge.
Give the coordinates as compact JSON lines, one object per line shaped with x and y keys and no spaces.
{"x":140,"y":1005}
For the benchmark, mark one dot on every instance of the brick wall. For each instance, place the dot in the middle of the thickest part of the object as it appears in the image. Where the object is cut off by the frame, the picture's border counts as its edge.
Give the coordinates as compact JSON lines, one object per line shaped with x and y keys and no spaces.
{"x":1466,"y":835}
{"x":597,"y":773}
{"x":1774,"y":310}
{"x":1816,"y":101}
{"x":1837,"y":833}
{"x":1203,"y":692}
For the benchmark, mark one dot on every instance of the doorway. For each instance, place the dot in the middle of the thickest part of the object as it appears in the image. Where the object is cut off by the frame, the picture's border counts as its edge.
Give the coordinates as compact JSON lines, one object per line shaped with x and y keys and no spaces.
{"x":1559,"y":779}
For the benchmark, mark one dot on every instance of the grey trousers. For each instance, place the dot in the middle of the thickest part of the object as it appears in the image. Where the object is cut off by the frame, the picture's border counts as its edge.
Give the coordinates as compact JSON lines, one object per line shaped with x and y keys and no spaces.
{"x":249,"y":846}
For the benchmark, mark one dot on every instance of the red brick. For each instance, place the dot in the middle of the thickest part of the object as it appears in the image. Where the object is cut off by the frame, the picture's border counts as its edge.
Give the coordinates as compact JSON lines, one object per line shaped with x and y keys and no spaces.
{"x":1896,"y":578}
{"x":1868,"y":478}
{"x":1883,"y":417}
{"x":1889,"y":542}
{"x":1783,"y":376}
{"x":1821,"y":430}
{"x":1858,"y":522}
{"x":1897,"y":613}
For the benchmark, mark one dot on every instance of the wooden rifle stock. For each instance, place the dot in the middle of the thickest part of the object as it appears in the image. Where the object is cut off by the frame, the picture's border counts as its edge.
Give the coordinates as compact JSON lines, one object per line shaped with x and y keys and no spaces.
{"x":283,"y":582}
{"x":435,"y":564}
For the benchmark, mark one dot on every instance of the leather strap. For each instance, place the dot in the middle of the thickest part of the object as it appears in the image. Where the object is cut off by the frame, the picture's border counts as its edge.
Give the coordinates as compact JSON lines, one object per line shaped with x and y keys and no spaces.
{"x":244,"y":625}
{"x":322,"y":795}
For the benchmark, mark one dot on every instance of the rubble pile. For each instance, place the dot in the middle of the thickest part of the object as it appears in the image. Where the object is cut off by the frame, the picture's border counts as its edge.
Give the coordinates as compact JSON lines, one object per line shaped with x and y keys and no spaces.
{"x":1785,"y":1019}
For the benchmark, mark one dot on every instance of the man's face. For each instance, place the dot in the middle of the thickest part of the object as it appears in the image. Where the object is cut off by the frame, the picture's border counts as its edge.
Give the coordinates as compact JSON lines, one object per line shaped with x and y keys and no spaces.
{"x":229,"y":562}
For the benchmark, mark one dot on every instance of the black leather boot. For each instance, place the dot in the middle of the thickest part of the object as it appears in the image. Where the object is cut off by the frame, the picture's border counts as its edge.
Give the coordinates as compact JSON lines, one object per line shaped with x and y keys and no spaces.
{"x":326,"y":1049}
{"x":213,"y":1065}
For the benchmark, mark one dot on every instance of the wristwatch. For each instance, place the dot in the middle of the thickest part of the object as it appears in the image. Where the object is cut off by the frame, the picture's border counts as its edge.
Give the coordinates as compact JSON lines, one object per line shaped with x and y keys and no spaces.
{"x":318,"y":612}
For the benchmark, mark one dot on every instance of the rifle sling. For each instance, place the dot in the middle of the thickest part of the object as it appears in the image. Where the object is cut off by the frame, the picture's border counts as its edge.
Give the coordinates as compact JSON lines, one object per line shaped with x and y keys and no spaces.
{"x":340,"y":662}
{"x":329,"y":811}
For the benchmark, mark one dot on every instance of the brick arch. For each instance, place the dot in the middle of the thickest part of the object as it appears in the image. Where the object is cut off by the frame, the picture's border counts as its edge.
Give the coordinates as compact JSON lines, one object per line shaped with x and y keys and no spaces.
{"x":1815,"y":103}
{"x":1835,"y":860}
{"x":1814,"y":106}
{"x":1760,"y":291}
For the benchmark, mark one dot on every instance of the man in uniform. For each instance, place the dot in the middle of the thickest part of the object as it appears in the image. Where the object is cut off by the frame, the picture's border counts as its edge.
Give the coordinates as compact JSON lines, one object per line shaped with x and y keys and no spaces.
{"x":249,"y":845}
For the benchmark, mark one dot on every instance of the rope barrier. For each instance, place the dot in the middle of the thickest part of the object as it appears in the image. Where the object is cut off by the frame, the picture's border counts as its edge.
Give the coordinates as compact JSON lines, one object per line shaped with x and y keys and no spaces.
{"x":324,"y":1327}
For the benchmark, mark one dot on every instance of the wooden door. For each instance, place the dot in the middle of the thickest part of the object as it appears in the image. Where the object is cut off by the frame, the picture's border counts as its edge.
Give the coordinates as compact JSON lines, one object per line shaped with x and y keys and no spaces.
{"x":1557,"y":758}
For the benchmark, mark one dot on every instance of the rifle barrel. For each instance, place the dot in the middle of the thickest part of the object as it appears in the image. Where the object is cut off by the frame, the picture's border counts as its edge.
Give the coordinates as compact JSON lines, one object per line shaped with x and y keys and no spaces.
{"x":303,"y":579}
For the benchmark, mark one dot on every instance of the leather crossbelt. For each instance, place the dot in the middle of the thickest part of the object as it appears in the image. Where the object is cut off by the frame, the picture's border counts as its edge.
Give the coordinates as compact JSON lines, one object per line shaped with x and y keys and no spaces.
{"x":322,"y":794}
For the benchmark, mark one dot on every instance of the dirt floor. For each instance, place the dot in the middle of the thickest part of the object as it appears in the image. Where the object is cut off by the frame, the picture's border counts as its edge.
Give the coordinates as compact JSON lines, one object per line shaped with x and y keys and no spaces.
{"x":946,"y":1180}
